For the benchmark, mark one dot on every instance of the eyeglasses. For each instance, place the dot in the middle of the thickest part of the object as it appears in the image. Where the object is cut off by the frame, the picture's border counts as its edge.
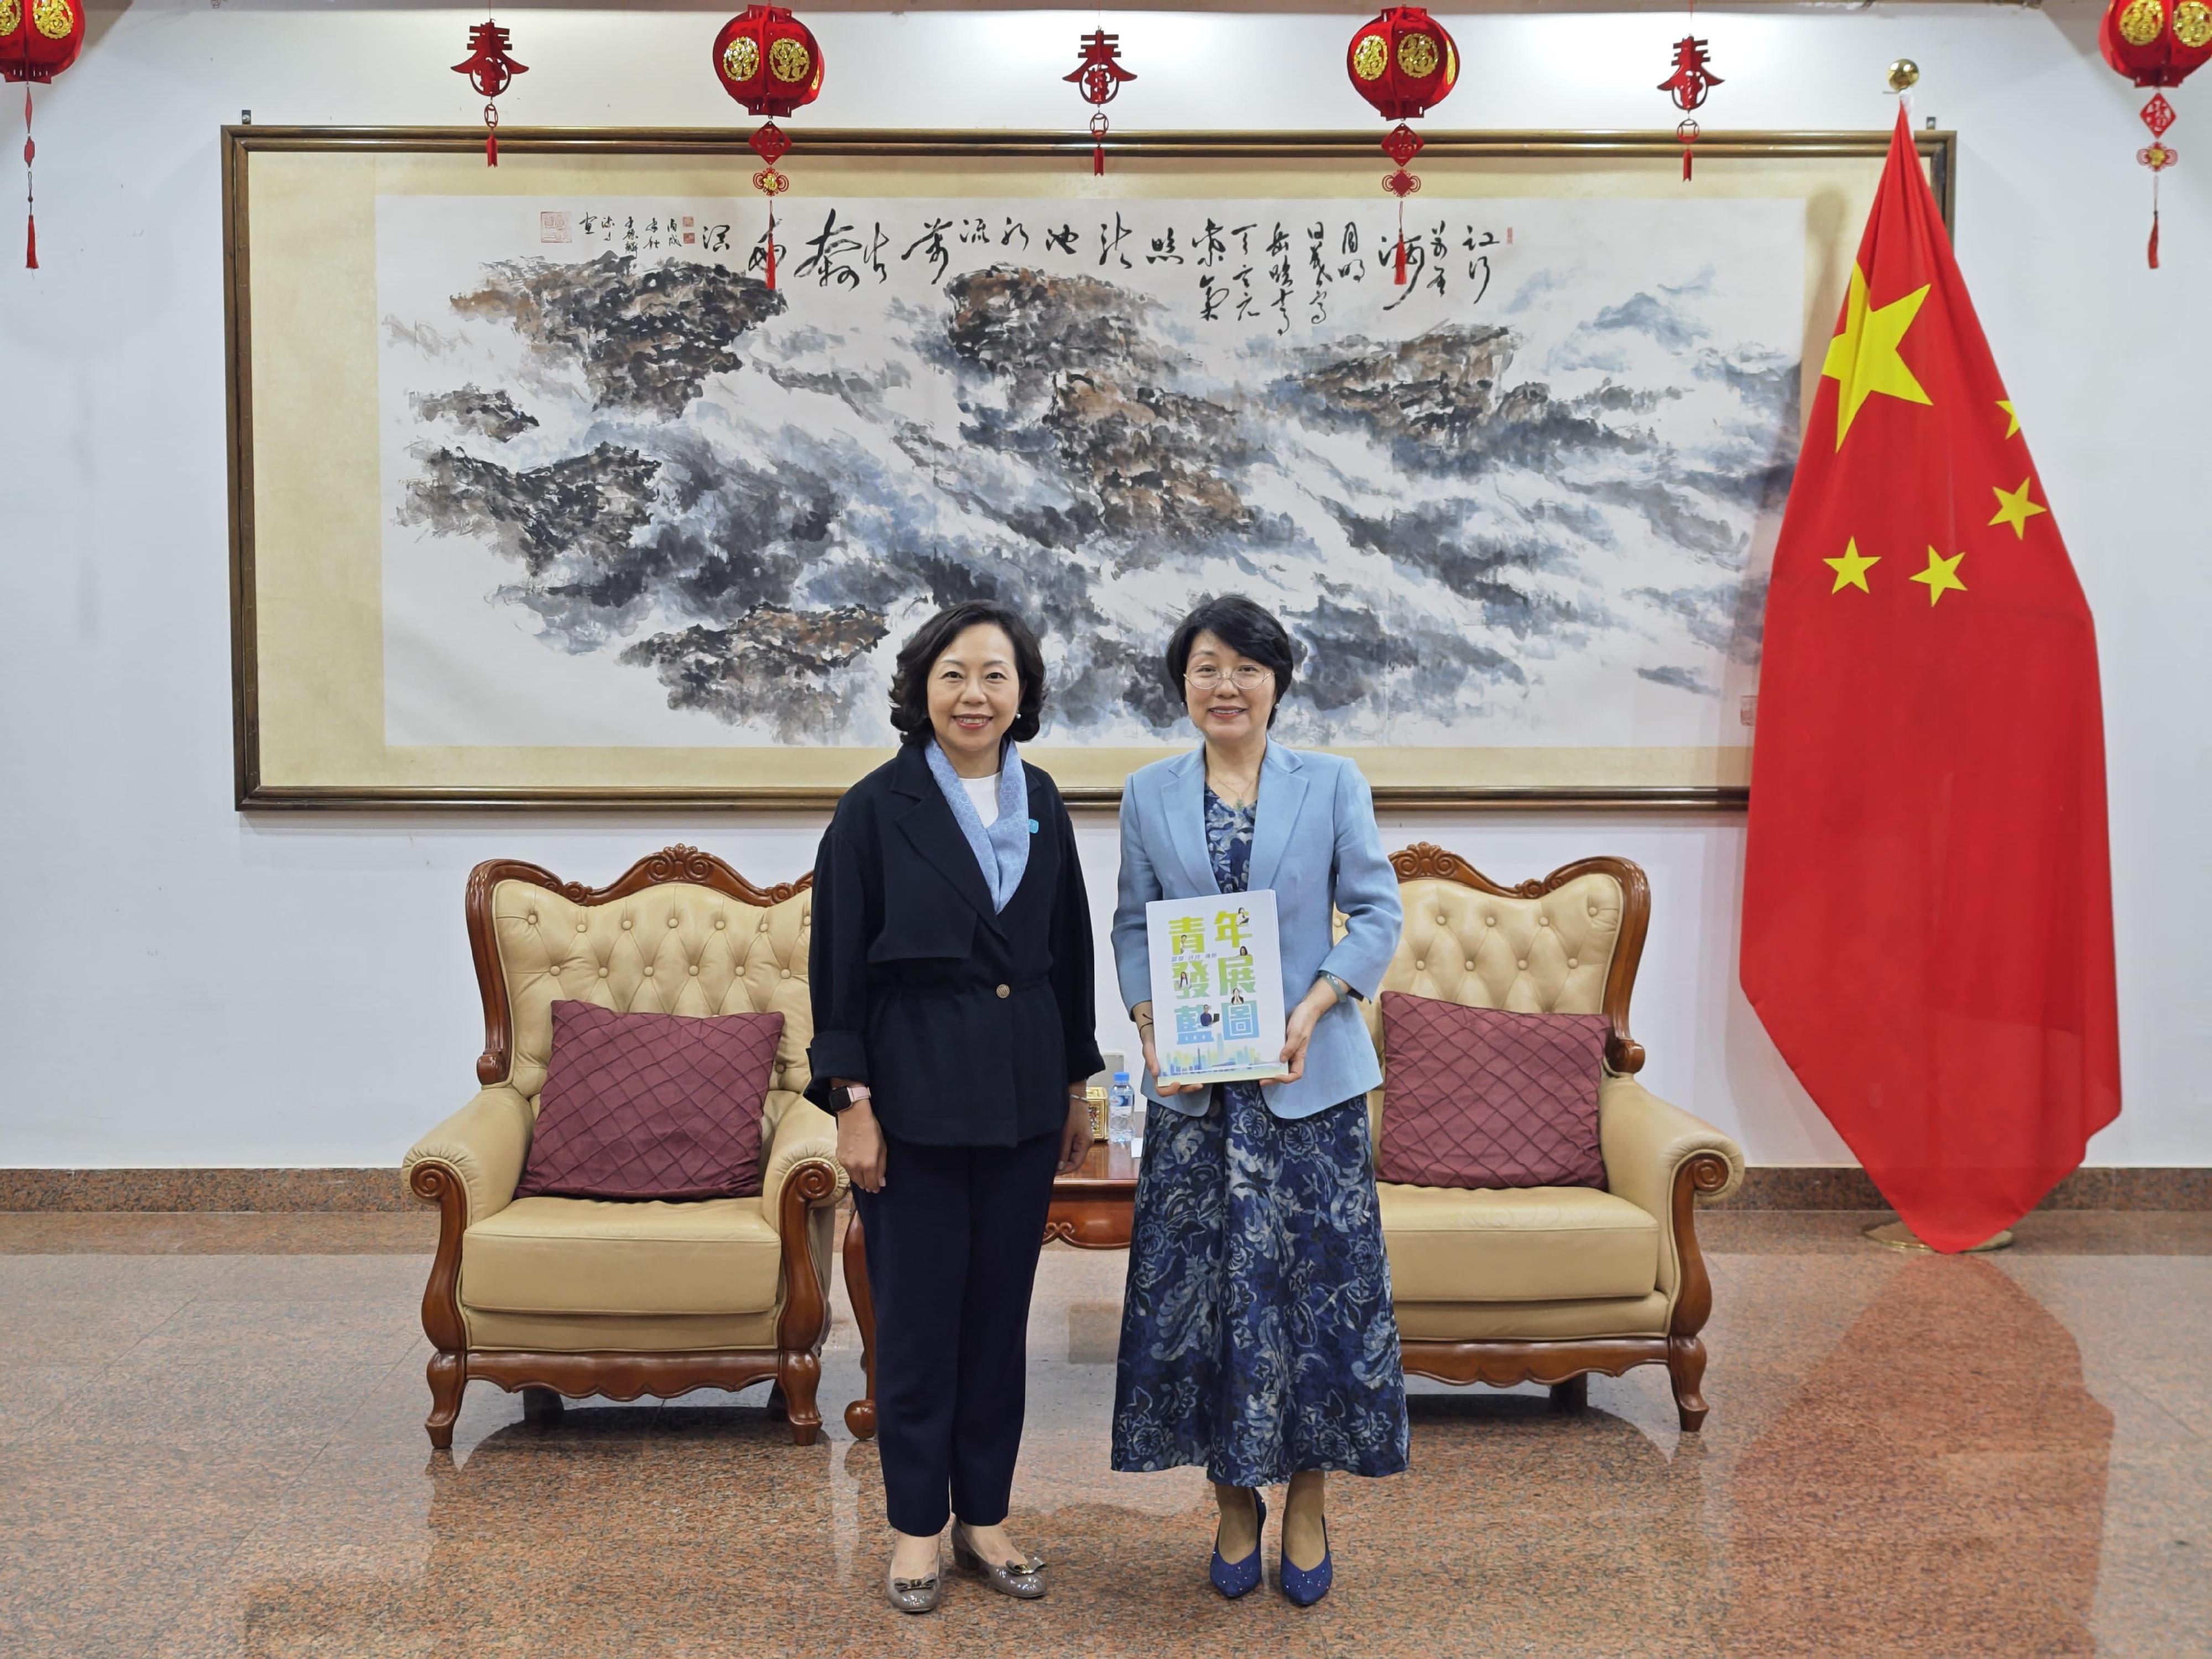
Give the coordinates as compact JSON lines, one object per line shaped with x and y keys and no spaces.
{"x":1248,"y":676}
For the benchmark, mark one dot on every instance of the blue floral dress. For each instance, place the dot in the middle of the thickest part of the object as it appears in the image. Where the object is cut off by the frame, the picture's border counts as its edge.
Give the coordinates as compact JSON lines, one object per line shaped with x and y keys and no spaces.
{"x":1257,"y":1336}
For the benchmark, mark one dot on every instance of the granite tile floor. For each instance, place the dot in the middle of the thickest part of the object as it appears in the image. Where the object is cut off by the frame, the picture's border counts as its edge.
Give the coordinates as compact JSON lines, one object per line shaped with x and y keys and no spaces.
{"x":211,"y":1443}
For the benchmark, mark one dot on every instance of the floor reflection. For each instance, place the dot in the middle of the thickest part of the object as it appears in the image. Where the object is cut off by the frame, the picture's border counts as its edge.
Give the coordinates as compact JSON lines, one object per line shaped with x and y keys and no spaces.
{"x":1936,"y":1486}
{"x":222,"y":1454}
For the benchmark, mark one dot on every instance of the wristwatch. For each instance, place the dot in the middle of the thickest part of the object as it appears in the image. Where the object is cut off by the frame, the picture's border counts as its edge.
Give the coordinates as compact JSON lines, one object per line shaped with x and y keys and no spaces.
{"x":1344,"y":991}
{"x":850,"y":1094}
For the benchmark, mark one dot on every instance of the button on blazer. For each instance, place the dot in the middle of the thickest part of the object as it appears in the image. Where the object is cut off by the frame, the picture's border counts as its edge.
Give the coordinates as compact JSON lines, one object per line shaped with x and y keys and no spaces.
{"x":1315,"y":843}
{"x":966,"y":1024}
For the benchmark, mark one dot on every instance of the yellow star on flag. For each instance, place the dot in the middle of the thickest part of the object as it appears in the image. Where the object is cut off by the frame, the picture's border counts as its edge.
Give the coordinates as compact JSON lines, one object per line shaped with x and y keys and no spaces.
{"x":1863,"y":360}
{"x":2015,"y":509}
{"x":2011,"y":416}
{"x":1850,"y":569}
{"x":1941,"y":575}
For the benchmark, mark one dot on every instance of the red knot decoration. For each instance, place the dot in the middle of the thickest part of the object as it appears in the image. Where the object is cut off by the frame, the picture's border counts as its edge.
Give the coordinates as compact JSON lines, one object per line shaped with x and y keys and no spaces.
{"x":1099,"y":76}
{"x":1687,"y":85}
{"x":490,"y":68}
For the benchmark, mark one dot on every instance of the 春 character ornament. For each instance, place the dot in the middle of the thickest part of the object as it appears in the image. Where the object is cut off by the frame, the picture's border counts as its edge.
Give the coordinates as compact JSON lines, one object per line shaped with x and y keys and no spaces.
{"x":1098,"y":77}
{"x":1404,"y":63}
{"x":2155,"y":43}
{"x":39,"y":38}
{"x":1687,"y":85}
{"x":490,"y":68}
{"x":769,"y":62}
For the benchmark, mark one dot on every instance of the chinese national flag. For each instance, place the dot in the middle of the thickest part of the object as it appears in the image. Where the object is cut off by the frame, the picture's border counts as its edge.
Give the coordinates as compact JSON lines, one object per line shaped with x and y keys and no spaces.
{"x":1927,"y":916}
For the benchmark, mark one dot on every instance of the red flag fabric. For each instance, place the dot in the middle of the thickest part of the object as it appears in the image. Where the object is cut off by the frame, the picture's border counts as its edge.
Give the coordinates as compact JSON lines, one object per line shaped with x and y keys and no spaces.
{"x":1928,"y":923}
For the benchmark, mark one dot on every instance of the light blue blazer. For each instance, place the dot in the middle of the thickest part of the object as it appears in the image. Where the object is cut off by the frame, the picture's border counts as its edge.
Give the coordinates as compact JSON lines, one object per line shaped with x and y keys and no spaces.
{"x":1315,"y":843}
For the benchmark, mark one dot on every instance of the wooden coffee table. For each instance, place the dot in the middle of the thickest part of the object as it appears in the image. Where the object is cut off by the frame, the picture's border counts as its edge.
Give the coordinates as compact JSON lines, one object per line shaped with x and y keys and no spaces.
{"x":1091,"y":1209}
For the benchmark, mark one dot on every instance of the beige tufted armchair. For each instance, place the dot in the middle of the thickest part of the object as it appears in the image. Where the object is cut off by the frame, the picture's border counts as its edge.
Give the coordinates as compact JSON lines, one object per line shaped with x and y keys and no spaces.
{"x":1549,"y":1283}
{"x":577,"y":1296}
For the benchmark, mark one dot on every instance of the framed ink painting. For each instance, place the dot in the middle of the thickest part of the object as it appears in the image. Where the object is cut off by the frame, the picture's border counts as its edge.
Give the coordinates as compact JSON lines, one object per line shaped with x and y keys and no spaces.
{"x":541,"y":495}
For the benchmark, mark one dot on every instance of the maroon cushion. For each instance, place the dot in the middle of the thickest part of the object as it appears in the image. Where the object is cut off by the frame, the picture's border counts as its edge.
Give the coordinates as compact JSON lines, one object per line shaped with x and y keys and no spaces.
{"x":652,"y":1105}
{"x":1481,"y":1098}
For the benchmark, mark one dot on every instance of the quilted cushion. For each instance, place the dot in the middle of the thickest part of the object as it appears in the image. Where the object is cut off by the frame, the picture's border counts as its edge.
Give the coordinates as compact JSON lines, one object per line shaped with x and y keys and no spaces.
{"x":651,"y":1105}
{"x":1484,"y":1097}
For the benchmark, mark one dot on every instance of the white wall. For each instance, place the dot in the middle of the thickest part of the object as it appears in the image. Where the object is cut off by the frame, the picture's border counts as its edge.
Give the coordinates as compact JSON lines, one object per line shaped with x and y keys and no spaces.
{"x":184,"y":986}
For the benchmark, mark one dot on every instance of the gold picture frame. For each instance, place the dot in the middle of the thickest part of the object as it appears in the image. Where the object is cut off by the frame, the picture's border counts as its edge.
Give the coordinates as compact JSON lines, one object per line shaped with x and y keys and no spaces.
{"x":299,"y":207}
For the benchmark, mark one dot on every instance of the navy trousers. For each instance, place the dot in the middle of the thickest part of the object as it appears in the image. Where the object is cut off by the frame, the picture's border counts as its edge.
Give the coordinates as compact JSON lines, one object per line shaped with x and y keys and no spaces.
{"x":952,"y":1250}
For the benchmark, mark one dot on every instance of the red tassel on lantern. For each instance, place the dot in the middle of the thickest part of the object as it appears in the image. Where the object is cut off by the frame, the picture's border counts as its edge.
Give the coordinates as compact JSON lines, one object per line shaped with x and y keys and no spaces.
{"x":490,"y":68}
{"x":39,"y":38}
{"x":1404,"y":63}
{"x":1098,"y":77}
{"x":2156,"y":43}
{"x":30,"y":194}
{"x":769,"y":62}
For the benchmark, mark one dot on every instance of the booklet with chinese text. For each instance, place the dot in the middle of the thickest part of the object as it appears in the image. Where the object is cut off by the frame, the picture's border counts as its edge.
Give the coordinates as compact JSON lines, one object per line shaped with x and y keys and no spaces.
{"x":1217,"y":988}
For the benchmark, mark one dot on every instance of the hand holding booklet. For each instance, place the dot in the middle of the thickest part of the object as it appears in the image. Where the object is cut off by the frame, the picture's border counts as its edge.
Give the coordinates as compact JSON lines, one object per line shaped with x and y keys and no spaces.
{"x":1216,"y":967}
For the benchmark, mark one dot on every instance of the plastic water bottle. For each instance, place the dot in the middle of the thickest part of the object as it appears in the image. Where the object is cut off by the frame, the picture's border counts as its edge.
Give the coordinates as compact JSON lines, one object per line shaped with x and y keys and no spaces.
{"x":1119,"y":1103}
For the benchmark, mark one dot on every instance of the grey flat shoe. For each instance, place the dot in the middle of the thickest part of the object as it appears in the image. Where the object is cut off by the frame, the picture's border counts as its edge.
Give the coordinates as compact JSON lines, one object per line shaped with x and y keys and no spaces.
{"x":1024,"y":1582}
{"x":913,"y":1594}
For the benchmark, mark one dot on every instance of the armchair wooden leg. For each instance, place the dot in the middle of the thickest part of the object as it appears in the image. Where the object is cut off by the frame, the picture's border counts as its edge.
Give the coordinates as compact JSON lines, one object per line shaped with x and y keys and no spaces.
{"x":449,"y":1373}
{"x":1686,"y":1368}
{"x":542,"y":1406}
{"x":860,"y":1415}
{"x":1571,"y":1395}
{"x":1701,"y":1172}
{"x":811,"y":1183}
{"x":797,"y":1376}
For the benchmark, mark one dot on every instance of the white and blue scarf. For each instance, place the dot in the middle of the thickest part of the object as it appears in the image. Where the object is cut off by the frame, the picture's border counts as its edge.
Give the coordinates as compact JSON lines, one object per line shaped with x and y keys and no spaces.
{"x":1003,"y":850}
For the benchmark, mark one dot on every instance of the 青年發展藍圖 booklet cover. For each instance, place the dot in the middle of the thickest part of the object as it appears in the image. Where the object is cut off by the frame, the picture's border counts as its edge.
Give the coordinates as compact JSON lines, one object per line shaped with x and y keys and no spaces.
{"x":1217,"y":987}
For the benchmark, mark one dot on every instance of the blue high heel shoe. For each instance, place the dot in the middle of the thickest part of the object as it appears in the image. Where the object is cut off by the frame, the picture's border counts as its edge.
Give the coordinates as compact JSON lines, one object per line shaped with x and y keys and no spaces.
{"x":1303,"y":1589}
{"x":1241,"y":1577}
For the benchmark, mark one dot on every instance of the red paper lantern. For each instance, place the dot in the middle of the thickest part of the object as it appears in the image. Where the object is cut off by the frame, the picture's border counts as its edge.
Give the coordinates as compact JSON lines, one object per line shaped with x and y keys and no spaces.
{"x":2156,"y":43}
{"x":490,"y":68}
{"x":769,"y":62}
{"x":39,"y":38}
{"x":1404,"y":63}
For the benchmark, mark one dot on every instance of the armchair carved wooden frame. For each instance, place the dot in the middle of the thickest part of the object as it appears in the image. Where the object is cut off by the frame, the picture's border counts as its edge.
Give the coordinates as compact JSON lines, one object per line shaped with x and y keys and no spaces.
{"x":794,"y":1362}
{"x":1567,"y":1364}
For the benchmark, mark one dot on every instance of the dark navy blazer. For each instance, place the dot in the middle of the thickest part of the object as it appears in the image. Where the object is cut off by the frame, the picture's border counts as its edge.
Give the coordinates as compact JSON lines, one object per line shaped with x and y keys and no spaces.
{"x":966,"y":1025}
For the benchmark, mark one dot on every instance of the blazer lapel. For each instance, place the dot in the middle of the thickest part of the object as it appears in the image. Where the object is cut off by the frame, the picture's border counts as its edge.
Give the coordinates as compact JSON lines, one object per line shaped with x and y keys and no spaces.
{"x":1183,"y":793}
{"x":929,"y":825}
{"x":1282,"y":793}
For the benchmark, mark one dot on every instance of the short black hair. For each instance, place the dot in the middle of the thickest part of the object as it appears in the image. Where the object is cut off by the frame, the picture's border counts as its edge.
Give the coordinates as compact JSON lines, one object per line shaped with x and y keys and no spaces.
{"x":910,"y":678}
{"x":1249,"y":629}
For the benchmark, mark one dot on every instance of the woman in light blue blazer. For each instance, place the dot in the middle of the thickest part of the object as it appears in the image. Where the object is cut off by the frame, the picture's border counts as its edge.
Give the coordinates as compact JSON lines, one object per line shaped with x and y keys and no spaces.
{"x":1257,"y":1334}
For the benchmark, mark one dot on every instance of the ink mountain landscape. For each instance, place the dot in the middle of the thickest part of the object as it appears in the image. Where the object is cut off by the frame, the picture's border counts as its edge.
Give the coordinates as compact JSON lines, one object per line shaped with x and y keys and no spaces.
{"x":631,"y":492}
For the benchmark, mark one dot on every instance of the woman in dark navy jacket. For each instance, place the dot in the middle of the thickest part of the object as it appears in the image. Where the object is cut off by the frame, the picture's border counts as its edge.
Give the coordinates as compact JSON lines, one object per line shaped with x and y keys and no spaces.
{"x":954,"y":1038}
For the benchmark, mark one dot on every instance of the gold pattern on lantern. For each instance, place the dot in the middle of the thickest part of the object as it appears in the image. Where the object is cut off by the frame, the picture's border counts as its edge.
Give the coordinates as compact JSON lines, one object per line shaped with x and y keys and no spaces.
{"x":2141,"y":22}
{"x":741,"y":58}
{"x":11,"y":15}
{"x":1370,"y":58}
{"x":52,"y":19}
{"x":1417,"y":54}
{"x":2192,"y":24}
{"x":789,"y":61}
